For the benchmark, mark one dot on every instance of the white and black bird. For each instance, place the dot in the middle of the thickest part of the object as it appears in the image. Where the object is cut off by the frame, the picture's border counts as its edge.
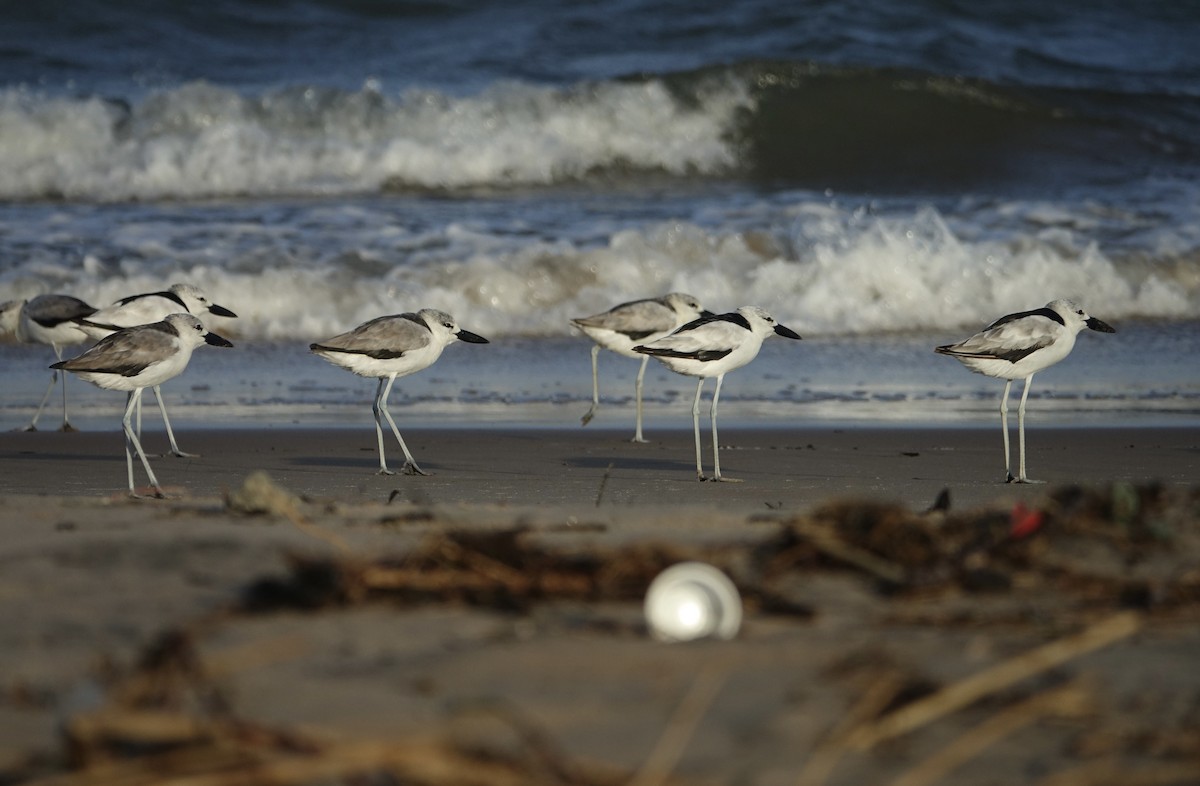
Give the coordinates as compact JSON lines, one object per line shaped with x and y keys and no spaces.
{"x":389,"y":347}
{"x":135,"y":358}
{"x":711,"y":347}
{"x":623,"y":327}
{"x":151,"y":307}
{"x":47,"y":319}
{"x":1018,"y":346}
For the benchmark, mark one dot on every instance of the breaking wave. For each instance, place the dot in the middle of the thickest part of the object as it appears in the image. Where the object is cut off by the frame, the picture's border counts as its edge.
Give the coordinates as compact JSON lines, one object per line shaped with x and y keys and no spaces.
{"x":790,"y":123}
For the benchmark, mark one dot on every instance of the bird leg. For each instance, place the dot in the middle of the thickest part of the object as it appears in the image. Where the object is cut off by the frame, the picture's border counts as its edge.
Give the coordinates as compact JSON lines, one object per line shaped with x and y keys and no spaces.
{"x":66,"y":424}
{"x":1021,"y":476}
{"x":1008,"y":478}
{"x":716,"y":446}
{"x":134,"y":399}
{"x":46,"y":397}
{"x":637,"y":433}
{"x":696,"y":428}
{"x":175,"y":451}
{"x":377,"y":409}
{"x":591,"y":413}
{"x":410,"y":464}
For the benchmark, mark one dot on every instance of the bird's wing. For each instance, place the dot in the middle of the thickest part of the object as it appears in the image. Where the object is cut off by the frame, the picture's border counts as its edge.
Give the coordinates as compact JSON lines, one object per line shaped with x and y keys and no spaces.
{"x":709,"y":338}
{"x":1009,"y":339}
{"x":637,"y":319}
{"x":382,"y":337}
{"x":127,"y":352}
{"x":52,"y":310}
{"x":165,"y":294}
{"x":136,"y":310}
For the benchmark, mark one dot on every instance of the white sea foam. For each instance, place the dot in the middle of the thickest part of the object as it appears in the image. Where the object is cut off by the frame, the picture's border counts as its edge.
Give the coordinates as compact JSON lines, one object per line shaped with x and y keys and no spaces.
{"x":201,"y":140}
{"x":821,"y":269}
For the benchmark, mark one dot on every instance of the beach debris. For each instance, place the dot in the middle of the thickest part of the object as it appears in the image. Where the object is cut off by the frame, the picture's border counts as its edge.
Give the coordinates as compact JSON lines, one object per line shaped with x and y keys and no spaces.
{"x":259,"y":495}
{"x":692,"y":600}
{"x":1025,"y":522}
{"x":501,"y":569}
{"x":168,"y":721}
{"x":1098,"y":567}
{"x":1109,"y":545}
{"x":681,"y":727}
{"x":941,"y":504}
{"x":604,"y":479}
{"x":990,"y":550}
{"x":875,"y":719}
{"x":506,"y":570}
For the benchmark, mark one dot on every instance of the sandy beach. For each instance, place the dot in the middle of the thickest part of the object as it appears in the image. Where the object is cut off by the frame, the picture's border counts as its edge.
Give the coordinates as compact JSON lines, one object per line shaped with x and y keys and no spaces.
{"x":582,"y":470}
{"x":102,"y":596}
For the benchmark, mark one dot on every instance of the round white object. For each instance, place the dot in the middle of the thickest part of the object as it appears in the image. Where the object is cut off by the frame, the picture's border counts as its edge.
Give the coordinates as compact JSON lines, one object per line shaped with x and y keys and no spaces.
{"x":693,"y":600}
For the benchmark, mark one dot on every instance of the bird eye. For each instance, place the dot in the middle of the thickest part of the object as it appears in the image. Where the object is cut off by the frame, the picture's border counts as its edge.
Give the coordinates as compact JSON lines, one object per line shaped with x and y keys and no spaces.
{"x":1079,"y":312}
{"x":449,"y":325}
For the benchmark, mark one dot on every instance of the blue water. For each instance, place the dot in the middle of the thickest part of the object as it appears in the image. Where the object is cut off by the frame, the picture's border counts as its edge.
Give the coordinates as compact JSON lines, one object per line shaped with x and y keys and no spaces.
{"x":876,"y":174}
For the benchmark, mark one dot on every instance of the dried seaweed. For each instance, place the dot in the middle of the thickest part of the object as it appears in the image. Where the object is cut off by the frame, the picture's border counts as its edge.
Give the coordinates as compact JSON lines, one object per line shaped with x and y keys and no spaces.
{"x":1123,"y":553}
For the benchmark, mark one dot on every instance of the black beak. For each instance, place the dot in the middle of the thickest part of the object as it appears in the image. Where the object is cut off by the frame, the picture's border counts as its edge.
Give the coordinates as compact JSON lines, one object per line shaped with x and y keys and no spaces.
{"x":706,"y":313}
{"x":220,"y":311}
{"x":470,"y":338}
{"x":1103,"y":327}
{"x":217,"y":341}
{"x":786,"y":332}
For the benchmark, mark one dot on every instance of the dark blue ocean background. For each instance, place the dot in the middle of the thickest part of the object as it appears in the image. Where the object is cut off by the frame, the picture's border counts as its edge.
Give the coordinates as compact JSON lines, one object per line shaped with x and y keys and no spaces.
{"x":882,"y":176}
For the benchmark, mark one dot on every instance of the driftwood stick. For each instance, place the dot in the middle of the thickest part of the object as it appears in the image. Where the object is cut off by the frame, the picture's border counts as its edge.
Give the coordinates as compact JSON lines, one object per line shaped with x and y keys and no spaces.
{"x":681,"y":727}
{"x":827,"y":541}
{"x":1070,"y":699}
{"x":966,"y":691}
{"x":1105,"y":771}
{"x":834,"y":746}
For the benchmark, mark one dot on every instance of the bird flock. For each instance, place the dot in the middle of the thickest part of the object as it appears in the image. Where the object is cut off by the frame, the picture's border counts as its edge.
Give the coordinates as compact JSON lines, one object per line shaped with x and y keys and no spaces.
{"x":147,"y":339}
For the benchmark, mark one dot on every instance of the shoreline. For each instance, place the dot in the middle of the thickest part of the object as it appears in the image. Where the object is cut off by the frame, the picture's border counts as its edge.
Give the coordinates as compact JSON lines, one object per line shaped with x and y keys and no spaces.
{"x":778,"y":468}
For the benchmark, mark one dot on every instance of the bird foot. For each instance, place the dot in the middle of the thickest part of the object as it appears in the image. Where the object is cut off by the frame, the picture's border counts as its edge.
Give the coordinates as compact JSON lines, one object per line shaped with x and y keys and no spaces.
{"x":182,"y":454}
{"x":639,"y":440}
{"x":718,"y":479}
{"x":67,"y":428}
{"x":587,"y":418}
{"x":385,"y":471}
{"x":1028,"y":481}
{"x":30,"y":427}
{"x":156,"y":493}
{"x":410,"y":468}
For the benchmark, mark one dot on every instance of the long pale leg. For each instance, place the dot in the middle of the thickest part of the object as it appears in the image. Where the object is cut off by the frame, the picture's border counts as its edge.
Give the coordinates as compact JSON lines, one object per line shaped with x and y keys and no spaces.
{"x":591,"y":413}
{"x":377,"y":409}
{"x":175,"y":451}
{"x":410,"y":464}
{"x":46,"y":397}
{"x":131,"y":439}
{"x":1008,"y":477}
{"x":696,"y":428}
{"x":716,"y":444}
{"x":66,"y":424}
{"x":637,"y":434}
{"x":1021,"y":476}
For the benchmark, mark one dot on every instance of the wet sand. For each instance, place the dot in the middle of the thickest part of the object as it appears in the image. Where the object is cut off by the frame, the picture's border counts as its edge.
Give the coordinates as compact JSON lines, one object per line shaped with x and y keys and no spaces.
{"x":582,"y":469}
{"x":89,"y":579}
